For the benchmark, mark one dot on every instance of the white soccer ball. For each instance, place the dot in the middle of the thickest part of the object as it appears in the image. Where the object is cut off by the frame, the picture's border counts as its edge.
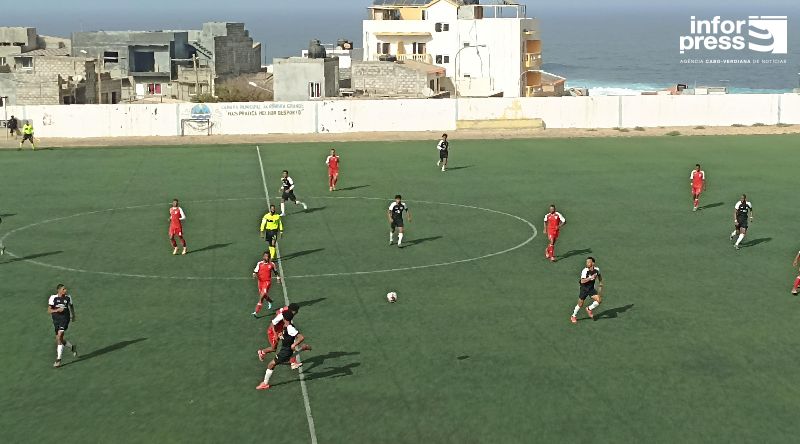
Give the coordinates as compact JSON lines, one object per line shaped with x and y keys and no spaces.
{"x":391,"y":296}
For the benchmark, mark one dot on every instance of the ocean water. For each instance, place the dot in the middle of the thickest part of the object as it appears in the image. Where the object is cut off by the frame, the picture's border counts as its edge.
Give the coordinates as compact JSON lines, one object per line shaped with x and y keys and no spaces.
{"x":611,"y":51}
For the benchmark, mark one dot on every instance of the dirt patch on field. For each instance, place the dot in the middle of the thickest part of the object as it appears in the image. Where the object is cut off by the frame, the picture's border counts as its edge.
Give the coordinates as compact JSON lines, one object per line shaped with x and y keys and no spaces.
{"x":9,"y":143}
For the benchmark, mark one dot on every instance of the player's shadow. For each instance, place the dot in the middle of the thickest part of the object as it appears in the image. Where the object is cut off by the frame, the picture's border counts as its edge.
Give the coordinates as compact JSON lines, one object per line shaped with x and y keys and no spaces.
{"x":333,"y":371}
{"x":754,"y":242}
{"x":107,"y":349}
{"x":356,"y":187}
{"x":8,"y":214}
{"x":460,"y":167}
{"x":297,"y":254}
{"x":317,"y":360}
{"x":310,"y":302}
{"x":711,"y":205}
{"x":31,"y":256}
{"x":209,"y":247}
{"x":314,"y":210}
{"x":571,"y":253}
{"x":413,"y":242}
{"x":612,"y":313}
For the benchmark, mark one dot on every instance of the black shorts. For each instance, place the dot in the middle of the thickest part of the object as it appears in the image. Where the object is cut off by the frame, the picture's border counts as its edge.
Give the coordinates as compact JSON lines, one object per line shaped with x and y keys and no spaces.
{"x":271,"y":235}
{"x":284,"y":355}
{"x":443,"y":154}
{"x":396,"y":223}
{"x":60,"y":324}
{"x":741,"y":223}
{"x":587,"y":292}
{"x":27,"y":137}
{"x":288,"y":195}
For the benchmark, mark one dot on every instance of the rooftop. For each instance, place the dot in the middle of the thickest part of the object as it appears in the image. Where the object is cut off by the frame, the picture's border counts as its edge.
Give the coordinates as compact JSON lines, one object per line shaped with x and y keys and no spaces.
{"x":47,"y":52}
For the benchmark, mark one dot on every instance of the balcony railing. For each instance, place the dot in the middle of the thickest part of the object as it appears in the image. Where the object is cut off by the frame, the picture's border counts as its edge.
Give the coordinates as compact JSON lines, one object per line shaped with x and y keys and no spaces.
{"x":533,"y":60}
{"x":425,"y":58}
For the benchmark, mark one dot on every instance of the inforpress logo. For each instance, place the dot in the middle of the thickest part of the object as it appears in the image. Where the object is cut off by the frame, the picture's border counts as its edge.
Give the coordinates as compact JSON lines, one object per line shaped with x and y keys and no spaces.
{"x":758,"y":33}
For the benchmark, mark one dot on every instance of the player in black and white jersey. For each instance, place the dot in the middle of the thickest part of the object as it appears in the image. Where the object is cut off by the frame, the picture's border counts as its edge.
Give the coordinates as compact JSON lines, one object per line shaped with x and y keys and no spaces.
{"x":287,"y":192}
{"x":291,"y":341}
{"x":62,"y":311}
{"x":742,"y":216}
{"x":443,"y":146}
{"x":395,"y":216}
{"x":589,"y":275}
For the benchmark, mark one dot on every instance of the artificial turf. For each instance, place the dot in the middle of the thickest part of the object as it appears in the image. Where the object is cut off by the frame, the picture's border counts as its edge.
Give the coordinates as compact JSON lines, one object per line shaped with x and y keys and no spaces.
{"x":693,"y":343}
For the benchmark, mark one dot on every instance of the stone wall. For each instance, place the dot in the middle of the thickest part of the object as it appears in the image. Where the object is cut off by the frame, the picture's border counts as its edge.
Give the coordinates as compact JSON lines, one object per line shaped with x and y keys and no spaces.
{"x":388,"y":78}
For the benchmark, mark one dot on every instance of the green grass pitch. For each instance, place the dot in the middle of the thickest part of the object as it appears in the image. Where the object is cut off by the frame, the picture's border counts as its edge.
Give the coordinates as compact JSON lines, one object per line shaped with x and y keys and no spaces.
{"x":694,"y":341}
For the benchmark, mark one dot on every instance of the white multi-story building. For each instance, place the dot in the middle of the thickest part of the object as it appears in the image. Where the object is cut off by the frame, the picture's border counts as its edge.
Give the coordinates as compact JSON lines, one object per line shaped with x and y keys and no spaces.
{"x":487,"y":49}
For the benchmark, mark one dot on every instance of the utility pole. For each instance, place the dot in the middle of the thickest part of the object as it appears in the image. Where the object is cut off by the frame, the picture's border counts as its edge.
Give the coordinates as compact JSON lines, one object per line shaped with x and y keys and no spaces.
{"x":99,"y":79}
{"x":196,"y":76}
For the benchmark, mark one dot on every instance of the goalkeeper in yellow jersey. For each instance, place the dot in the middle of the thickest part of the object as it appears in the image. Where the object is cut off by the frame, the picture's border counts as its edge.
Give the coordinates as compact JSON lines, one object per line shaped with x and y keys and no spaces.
{"x":271,"y":228}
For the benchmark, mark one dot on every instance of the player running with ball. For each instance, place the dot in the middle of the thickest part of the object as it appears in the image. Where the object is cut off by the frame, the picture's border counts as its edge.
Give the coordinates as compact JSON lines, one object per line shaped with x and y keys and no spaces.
{"x":589,"y":275}
{"x":291,"y":341}
{"x":275,"y":330}
{"x":176,"y":217}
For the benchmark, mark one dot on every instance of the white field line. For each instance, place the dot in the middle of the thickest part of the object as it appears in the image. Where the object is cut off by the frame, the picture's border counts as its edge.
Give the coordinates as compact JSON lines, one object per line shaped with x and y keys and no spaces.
{"x":303,"y":387}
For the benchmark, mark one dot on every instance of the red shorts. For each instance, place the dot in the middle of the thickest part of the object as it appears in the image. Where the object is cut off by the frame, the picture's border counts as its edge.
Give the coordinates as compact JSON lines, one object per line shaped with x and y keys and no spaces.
{"x":332,"y":172}
{"x":263,"y":287}
{"x":175,"y":231}
{"x":552,"y":235}
{"x":697,"y":190}
{"x":272,"y":336}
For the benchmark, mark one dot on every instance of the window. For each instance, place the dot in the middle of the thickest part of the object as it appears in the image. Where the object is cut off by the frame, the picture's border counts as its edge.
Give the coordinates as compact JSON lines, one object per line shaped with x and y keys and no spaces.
{"x":442,"y":27}
{"x":2,"y":60}
{"x":442,"y":59}
{"x":418,"y":48}
{"x":110,"y":57}
{"x":424,"y":15}
{"x":314,"y":90}
{"x":154,"y":88}
{"x":383,"y":48}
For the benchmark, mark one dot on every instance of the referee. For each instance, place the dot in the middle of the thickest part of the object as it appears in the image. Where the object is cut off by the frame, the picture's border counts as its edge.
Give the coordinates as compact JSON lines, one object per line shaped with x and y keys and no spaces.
{"x":271,"y":228}
{"x":62,"y":311}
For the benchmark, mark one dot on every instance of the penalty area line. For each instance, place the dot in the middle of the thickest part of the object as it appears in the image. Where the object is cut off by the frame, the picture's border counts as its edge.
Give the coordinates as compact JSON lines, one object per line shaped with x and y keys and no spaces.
{"x":303,"y":388}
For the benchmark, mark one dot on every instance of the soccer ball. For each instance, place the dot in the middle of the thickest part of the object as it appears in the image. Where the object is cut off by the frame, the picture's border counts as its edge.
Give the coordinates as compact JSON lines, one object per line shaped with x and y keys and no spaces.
{"x":391,"y":296}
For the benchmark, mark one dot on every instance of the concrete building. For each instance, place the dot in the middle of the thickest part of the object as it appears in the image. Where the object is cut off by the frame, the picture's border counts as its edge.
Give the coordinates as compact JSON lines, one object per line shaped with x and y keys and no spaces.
{"x":486,"y":49}
{"x":18,"y":40}
{"x":298,"y":78}
{"x":174,"y":64}
{"x":346,"y":53}
{"x":408,"y":79}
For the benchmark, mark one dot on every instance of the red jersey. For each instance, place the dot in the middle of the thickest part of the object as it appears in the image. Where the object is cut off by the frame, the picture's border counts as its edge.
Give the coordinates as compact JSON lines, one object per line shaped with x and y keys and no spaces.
{"x":277,"y":321}
{"x":264,"y":271}
{"x":698,"y":178}
{"x":554,"y":221}
{"x":176,"y":215}
{"x":333,"y":163}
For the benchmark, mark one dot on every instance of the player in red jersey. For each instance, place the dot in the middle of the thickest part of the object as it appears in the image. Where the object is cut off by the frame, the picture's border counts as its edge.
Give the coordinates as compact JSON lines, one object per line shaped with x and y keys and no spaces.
{"x":292,"y":342}
{"x":176,"y":216}
{"x":797,"y":279}
{"x":553,"y":221}
{"x":333,"y":169}
{"x":698,"y":181}
{"x":263,"y":275}
{"x":274,"y":332}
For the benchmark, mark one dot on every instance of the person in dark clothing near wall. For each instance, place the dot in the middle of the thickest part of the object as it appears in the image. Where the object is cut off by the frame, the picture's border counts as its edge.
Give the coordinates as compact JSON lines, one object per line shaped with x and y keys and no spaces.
{"x":13,"y":126}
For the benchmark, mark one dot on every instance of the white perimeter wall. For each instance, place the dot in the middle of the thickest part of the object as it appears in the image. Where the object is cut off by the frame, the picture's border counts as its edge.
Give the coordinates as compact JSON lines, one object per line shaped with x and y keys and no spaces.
{"x":342,"y":116}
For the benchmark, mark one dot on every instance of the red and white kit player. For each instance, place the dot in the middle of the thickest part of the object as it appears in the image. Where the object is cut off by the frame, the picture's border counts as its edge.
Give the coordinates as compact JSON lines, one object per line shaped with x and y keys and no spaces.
{"x":333,"y":169}
{"x":553,"y":221}
{"x":176,"y":216}
{"x":797,"y":279}
{"x":274,"y":333}
{"x":698,"y":179}
{"x":263,"y":275}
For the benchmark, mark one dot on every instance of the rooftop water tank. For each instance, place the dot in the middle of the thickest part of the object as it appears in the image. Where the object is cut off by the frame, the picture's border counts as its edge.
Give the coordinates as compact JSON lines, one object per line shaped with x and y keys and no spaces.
{"x":316,"y":50}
